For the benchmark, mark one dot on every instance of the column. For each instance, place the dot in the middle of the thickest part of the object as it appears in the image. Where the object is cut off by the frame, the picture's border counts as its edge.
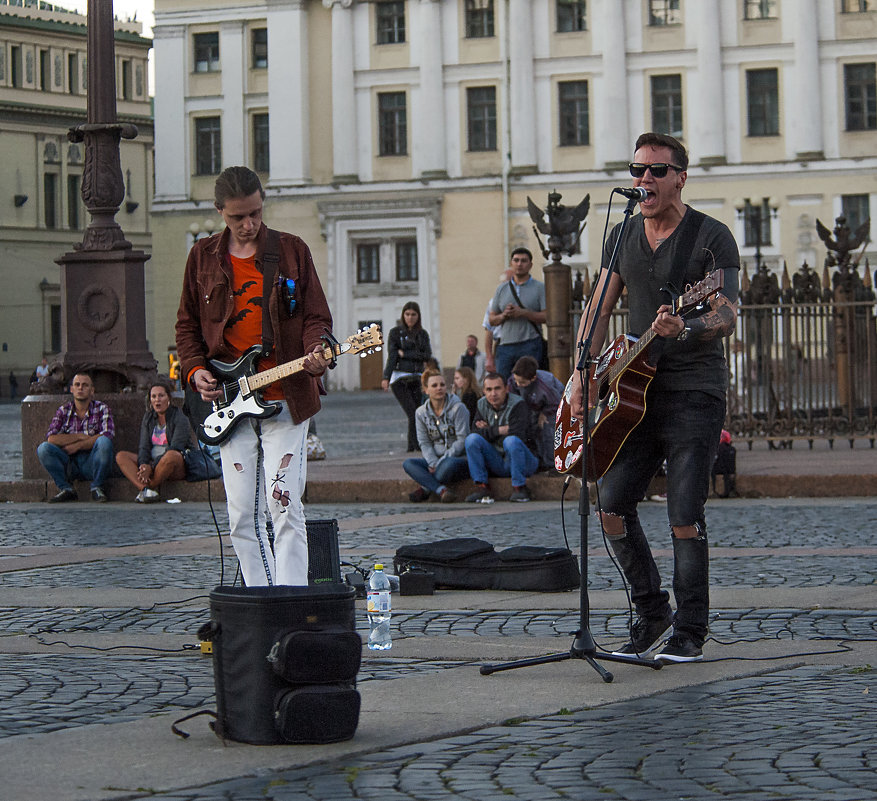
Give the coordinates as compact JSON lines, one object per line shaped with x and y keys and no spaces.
{"x":613,"y":141}
{"x":289,"y":120}
{"x":171,"y":152}
{"x":429,"y":125}
{"x":706,"y":112}
{"x":805,"y":119}
{"x":345,"y":166}
{"x":522,"y":91}
{"x":232,"y":54}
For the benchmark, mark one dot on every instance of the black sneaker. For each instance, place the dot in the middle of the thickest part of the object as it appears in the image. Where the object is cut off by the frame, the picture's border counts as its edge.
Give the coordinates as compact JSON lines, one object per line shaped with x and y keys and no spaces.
{"x":520,"y":494}
{"x":680,"y":648}
{"x":481,"y":492}
{"x":64,"y":496}
{"x":418,"y":496}
{"x":645,"y":636}
{"x":98,"y":495}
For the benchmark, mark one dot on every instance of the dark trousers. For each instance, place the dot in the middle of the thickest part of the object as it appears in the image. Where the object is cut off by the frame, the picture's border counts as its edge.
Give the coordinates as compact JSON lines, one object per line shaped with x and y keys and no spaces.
{"x":407,"y":391}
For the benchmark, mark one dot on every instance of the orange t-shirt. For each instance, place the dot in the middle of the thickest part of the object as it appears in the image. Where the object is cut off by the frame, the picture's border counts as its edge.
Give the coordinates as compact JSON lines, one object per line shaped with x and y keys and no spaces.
{"x":244,"y":327}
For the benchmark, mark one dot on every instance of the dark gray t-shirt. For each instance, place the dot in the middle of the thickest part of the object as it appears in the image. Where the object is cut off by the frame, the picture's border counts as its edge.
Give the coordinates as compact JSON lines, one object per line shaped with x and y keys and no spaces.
{"x":695,"y":364}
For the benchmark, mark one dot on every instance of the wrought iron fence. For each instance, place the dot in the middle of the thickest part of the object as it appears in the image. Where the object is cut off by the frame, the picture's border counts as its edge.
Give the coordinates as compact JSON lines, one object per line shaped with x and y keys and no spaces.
{"x":799,"y":370}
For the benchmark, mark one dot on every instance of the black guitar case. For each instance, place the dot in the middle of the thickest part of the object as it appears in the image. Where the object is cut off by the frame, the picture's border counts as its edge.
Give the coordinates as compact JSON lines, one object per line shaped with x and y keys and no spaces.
{"x":467,"y":563}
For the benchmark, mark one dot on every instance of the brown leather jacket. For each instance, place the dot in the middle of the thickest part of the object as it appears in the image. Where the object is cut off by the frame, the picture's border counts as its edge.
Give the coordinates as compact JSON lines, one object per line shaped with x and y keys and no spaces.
{"x":206,"y":305}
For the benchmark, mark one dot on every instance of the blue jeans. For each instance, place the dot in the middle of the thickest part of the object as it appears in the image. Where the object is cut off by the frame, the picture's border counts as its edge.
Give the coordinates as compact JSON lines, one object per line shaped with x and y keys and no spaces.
{"x":450,"y":469}
{"x":507,"y":355}
{"x":94,"y":465}
{"x":516,"y":460}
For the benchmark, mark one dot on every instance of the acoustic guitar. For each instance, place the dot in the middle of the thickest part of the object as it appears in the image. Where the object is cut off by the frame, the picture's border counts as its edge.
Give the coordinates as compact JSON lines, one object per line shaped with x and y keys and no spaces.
{"x":617,"y":391}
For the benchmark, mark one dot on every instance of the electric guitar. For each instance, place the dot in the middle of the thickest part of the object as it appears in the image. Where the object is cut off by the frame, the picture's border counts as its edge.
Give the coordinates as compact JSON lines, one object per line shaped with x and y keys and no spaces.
{"x":617,"y":389}
{"x":241,"y":383}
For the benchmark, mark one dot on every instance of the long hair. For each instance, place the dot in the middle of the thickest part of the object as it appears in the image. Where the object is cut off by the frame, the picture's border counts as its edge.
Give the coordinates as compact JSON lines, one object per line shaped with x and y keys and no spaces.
{"x":412,"y":304}
{"x":165,"y":384}
{"x":470,"y":383}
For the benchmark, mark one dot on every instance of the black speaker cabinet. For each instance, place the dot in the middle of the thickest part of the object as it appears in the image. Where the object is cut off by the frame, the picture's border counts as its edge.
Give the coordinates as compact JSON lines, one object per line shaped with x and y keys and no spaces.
{"x":247,"y":622}
{"x":324,"y":559}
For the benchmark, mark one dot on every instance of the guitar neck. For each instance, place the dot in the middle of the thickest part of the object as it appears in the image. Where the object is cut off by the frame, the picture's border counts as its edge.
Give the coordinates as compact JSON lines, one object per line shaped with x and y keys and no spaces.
{"x":269,"y":376}
{"x":635,"y":350}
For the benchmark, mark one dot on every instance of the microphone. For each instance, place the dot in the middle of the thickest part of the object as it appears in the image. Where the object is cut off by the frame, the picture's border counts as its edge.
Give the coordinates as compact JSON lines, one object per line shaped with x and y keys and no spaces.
{"x":633,"y":193}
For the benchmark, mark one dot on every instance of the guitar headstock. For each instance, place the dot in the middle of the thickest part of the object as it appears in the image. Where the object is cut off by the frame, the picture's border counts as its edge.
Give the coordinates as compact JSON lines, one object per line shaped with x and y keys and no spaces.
{"x":365,"y":341}
{"x":701,"y":290}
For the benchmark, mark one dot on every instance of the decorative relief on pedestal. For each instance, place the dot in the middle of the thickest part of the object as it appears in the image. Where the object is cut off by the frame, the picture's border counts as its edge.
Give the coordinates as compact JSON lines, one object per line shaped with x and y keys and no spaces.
{"x":98,"y":308}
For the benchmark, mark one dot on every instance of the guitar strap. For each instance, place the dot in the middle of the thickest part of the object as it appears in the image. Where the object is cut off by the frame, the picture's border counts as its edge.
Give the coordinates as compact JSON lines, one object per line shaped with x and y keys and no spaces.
{"x":687,"y":237}
{"x":270,"y":266}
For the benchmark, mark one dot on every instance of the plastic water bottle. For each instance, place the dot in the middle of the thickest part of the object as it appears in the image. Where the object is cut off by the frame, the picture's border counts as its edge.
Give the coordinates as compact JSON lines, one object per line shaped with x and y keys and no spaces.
{"x":379,"y":610}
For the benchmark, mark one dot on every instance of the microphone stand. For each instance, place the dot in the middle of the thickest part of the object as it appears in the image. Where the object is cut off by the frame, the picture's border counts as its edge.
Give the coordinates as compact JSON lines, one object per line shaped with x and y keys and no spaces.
{"x":583,"y":646}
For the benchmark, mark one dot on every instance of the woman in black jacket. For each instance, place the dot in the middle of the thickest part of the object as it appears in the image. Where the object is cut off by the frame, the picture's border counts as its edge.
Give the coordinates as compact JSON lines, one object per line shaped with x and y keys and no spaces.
{"x":407,"y":350}
{"x":165,"y":433}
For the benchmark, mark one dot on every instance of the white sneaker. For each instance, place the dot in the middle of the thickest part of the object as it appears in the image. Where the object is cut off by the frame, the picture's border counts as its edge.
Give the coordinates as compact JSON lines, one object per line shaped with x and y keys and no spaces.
{"x":146,"y":496}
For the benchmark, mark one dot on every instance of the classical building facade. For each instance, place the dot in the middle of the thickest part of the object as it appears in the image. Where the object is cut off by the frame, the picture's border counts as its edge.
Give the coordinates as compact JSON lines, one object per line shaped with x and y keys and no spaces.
{"x":42,"y":95}
{"x":401,"y":138}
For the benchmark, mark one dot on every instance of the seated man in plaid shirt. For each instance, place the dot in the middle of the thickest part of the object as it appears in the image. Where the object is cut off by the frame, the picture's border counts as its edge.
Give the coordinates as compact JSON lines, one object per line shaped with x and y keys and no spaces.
{"x":79,"y":443}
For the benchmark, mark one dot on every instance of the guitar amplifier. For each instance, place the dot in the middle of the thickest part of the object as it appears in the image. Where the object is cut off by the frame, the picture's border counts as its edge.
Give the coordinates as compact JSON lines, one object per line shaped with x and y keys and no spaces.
{"x":324,"y":560}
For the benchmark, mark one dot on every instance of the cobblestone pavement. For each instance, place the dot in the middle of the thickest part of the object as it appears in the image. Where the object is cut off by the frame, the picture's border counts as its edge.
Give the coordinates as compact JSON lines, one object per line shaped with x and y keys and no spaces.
{"x":73,"y":655}
{"x":733,"y":739}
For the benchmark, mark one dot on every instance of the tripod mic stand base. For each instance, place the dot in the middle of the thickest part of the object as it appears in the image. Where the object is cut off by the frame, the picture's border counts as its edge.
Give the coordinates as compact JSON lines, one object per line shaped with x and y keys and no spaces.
{"x":590,"y":656}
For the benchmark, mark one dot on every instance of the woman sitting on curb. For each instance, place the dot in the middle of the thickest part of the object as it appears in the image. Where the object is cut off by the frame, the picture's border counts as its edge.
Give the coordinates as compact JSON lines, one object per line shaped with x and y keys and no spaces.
{"x":165,"y":433}
{"x":442,"y":426}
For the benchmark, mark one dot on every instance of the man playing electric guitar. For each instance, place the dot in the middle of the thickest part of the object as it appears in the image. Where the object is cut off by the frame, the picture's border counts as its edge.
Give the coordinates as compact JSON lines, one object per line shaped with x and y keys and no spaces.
{"x":228,"y":277}
{"x":667,"y":243}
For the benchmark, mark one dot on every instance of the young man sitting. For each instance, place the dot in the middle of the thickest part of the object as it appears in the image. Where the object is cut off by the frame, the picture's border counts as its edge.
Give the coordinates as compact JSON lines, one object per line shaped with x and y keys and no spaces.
{"x":497,"y":445}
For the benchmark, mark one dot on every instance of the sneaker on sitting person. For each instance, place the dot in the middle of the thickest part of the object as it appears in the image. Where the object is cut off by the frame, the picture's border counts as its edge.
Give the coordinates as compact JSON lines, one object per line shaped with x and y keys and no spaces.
{"x":520,"y":494}
{"x":446,"y":496}
{"x":98,"y":495}
{"x":419,"y":495}
{"x":146,"y":496}
{"x":680,"y":648}
{"x":646,"y":635}
{"x":480,"y":493}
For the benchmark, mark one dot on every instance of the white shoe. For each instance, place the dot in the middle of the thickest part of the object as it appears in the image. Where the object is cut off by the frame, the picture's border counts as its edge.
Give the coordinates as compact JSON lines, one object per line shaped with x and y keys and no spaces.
{"x":146,"y":496}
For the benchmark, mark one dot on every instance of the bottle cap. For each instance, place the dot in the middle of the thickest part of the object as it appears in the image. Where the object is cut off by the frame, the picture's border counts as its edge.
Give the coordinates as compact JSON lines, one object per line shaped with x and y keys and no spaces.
{"x":379,"y":567}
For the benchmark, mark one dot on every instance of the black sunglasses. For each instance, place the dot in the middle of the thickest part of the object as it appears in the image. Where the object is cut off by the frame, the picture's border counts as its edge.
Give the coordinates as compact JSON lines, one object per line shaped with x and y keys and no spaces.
{"x":659,"y":169}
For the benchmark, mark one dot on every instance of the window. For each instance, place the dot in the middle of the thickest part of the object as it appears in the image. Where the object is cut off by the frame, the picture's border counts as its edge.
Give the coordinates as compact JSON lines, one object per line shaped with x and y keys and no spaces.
{"x":664,"y":12}
{"x":72,"y":74}
{"x":73,"y":201}
{"x":260,"y":48}
{"x":15,"y":66}
{"x":860,"y":94}
{"x":392,"y":124}
{"x":856,"y":6}
{"x":126,"y":79}
{"x":406,"y":260}
{"x":756,"y":218}
{"x":45,"y":71}
{"x":390,"y":17}
{"x":481,"y":106}
{"x":762,"y":99}
{"x":759,"y":9}
{"x":261,"y":162}
{"x":208,"y":146}
{"x":50,"y":199}
{"x":856,"y":209}
{"x":571,"y":16}
{"x":206,"y":52}
{"x":368,"y":264}
{"x":667,"y":104}
{"x":479,"y":19}
{"x":573,"y":107}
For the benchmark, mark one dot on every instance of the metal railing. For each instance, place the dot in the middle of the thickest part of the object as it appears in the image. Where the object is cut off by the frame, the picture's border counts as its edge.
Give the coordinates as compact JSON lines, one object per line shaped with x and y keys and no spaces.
{"x":797,"y":371}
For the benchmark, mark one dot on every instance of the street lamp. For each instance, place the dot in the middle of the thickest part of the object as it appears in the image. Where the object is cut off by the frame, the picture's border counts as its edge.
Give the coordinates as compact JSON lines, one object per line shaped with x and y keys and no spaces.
{"x":754,"y":219}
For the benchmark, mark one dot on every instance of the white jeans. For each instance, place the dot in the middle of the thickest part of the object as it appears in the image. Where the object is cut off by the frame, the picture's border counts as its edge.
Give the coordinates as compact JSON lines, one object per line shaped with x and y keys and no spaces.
{"x":266,"y":466}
